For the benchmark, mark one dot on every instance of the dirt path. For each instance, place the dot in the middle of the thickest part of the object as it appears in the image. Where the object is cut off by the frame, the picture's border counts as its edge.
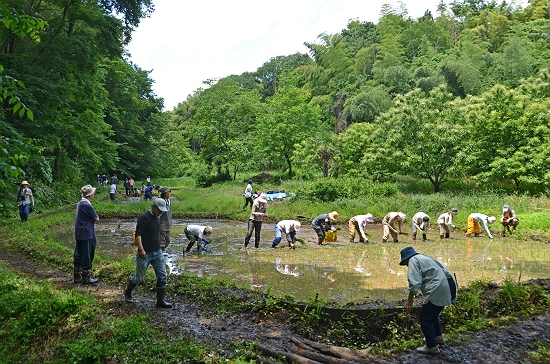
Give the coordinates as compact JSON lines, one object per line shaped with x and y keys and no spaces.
{"x":507,"y":345}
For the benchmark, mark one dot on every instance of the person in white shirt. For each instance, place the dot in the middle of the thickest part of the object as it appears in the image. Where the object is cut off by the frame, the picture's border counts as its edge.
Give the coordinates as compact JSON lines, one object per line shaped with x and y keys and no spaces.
{"x":248,"y":195}
{"x":289,"y":228}
{"x":197,"y":234}
{"x":445,"y":222}
{"x":473,"y":224}
{"x":359,"y":223}
{"x":420,"y":222}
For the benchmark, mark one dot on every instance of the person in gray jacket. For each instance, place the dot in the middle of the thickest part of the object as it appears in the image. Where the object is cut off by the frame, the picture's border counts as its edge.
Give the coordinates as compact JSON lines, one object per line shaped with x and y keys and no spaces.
{"x":165,"y":219}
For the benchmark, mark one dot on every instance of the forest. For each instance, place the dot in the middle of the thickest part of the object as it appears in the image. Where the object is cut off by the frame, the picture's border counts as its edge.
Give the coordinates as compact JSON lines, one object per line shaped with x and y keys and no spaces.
{"x":463,"y":94}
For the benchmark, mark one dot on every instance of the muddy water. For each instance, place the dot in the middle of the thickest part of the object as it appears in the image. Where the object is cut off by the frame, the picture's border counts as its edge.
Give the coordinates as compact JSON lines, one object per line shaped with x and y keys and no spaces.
{"x":339,"y":272}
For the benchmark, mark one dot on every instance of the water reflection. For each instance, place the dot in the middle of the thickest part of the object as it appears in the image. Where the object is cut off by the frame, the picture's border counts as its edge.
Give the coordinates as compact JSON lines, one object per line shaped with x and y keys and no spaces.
{"x":338,"y":272}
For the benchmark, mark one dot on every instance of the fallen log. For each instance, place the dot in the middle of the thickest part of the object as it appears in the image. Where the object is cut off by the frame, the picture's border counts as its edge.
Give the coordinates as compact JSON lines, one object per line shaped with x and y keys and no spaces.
{"x":346,"y":354}
{"x":322,"y":358}
{"x":289,"y":357}
{"x":341,"y":352}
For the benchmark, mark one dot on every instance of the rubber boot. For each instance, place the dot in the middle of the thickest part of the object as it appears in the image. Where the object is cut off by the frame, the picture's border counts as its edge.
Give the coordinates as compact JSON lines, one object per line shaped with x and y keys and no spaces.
{"x":160,"y":298}
{"x":424,"y":238}
{"x":441,"y":237}
{"x":321,"y":241}
{"x":246,"y":241}
{"x":128,"y":292}
{"x":77,"y":275}
{"x":414,"y":236}
{"x":87,"y":279}
{"x":447,"y":235}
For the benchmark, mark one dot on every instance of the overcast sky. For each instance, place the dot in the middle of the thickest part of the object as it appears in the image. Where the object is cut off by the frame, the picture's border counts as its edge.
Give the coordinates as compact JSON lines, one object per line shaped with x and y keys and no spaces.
{"x":187,"y":42}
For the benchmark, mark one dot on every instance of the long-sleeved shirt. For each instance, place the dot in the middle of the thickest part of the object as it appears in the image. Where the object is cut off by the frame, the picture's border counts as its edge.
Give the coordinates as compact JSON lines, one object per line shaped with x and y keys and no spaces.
{"x":24,"y":196}
{"x":391,"y":218}
{"x":418,"y":220}
{"x":321,"y":222}
{"x":287,"y":226}
{"x":483,"y":220}
{"x":427,"y":276}
{"x":197,"y":230}
{"x":445,"y":219}
{"x":148,"y":227}
{"x":259,"y":208}
{"x":362,"y":222}
{"x":248,"y":191}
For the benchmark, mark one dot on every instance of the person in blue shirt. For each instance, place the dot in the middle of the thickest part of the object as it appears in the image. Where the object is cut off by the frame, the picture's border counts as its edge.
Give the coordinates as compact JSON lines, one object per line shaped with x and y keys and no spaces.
{"x":84,"y":232}
{"x":149,"y":192}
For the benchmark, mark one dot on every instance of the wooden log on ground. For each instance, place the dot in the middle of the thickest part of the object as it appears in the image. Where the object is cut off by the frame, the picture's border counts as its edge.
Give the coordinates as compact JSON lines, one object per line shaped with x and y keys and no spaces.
{"x":289,"y":357}
{"x":341,"y":352}
{"x":322,"y":358}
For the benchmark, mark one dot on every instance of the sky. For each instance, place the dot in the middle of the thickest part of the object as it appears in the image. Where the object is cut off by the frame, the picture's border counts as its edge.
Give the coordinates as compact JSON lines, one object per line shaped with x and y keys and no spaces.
{"x":185,"y":42}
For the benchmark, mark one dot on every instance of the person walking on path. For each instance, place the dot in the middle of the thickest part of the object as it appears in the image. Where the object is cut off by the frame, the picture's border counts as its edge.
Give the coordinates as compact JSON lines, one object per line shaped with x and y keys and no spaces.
{"x":445,"y":222}
{"x":359,"y":223}
{"x":197,"y":234}
{"x":508,"y":219}
{"x":420,"y":222}
{"x":259,"y":208}
{"x":149,"y":252}
{"x":289,"y":228}
{"x":438,"y":286}
{"x":389,"y":224}
{"x":322,"y":223}
{"x":473,"y":224}
{"x":24,"y":201}
{"x":165,"y":219}
{"x":248,"y":195}
{"x":113,"y":191}
{"x":84,"y":233}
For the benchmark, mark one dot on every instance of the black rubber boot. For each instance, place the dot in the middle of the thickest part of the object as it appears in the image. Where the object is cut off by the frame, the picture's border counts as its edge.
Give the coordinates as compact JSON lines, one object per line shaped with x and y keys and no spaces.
{"x":424,"y":237}
{"x":128,"y":292}
{"x":160,"y":298}
{"x":321,"y":241}
{"x":77,"y":275}
{"x":87,"y":279}
{"x":447,"y":235}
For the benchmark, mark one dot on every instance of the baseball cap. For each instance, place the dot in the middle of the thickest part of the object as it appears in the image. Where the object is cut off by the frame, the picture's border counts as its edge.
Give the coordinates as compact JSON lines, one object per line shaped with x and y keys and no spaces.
{"x":160,"y":203}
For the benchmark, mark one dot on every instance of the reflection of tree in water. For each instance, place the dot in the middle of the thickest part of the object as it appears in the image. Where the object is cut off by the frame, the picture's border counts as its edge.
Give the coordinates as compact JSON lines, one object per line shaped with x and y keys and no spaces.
{"x":285,"y":268}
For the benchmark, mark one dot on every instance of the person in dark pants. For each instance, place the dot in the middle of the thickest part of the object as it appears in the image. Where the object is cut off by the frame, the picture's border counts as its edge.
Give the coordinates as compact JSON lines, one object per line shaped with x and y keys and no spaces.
{"x":322,"y":223}
{"x":259,"y":207}
{"x":165,"y":219}
{"x":149,"y":252}
{"x":248,"y":195}
{"x":438,"y":287}
{"x":84,"y":232}
{"x":24,"y":201}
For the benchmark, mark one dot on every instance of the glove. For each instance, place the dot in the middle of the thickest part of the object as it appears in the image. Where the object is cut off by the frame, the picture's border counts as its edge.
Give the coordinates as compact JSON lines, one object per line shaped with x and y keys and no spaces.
{"x":205,"y":241}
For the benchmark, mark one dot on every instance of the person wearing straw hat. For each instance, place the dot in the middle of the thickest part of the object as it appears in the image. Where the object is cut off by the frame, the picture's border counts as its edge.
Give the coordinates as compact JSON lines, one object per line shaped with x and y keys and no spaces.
{"x":475,"y":219}
{"x":445,"y":222}
{"x":359,"y":223}
{"x":438,"y":286}
{"x":197,"y":234}
{"x":259,"y":208}
{"x":84,"y":233}
{"x":289,"y":228}
{"x":24,"y":200}
{"x":322,"y":223}
{"x":390,"y":228}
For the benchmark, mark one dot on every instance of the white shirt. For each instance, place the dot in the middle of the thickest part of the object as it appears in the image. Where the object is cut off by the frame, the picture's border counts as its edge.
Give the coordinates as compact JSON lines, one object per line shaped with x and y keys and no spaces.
{"x":483,"y":220}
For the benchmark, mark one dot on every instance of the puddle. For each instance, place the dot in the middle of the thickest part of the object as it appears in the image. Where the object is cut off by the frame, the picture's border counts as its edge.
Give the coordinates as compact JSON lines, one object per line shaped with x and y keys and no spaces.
{"x":339,"y":272}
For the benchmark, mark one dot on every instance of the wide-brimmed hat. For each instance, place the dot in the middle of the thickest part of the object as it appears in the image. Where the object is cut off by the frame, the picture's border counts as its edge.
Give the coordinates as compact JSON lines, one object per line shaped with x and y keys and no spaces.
{"x":333,"y":215}
{"x":262,"y":197}
{"x":491,"y":219}
{"x":454,"y":211}
{"x":208,"y":230}
{"x":407,"y":253}
{"x":160,"y":203}
{"x":370,"y":218}
{"x":87,"y":190}
{"x":24,"y":183}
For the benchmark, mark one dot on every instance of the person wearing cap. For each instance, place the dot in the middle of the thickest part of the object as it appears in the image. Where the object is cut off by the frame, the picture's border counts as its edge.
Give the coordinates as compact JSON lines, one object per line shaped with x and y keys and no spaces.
{"x":359,"y":223}
{"x":165,"y":219}
{"x":84,"y":234}
{"x":259,"y":208}
{"x":248,"y":195}
{"x":445,"y":222}
{"x":197,"y":234}
{"x":149,"y":252}
{"x":438,"y":286}
{"x":473,"y":224}
{"x":322,"y":223}
{"x":389,"y":224}
{"x":289,"y":228}
{"x":420,"y":222}
{"x":24,"y":200}
{"x":508,"y":219}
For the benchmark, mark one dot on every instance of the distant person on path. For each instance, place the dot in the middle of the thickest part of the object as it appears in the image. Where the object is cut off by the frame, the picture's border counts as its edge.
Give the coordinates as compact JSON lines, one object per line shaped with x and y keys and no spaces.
{"x":84,"y":233}
{"x":165,"y":219}
{"x":359,"y":223}
{"x":98,"y":180}
{"x":420,"y":222}
{"x":248,"y":195}
{"x":323,"y":223}
{"x":113,"y":191}
{"x":24,"y":200}
{"x":197,"y":234}
{"x":149,"y":192}
{"x":445,"y":222}
{"x":508,"y":219}
{"x":149,"y":252}
{"x":438,"y":287}
{"x":114,"y":179}
{"x":289,"y":228}
{"x":389,"y":223}
{"x":473,"y":224}
{"x":259,"y":208}
{"x":131,"y":180}
{"x":127,"y":186}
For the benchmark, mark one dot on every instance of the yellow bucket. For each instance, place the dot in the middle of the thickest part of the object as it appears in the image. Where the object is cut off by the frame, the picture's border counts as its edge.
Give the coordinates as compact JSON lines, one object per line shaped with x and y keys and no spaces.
{"x":331,"y":236}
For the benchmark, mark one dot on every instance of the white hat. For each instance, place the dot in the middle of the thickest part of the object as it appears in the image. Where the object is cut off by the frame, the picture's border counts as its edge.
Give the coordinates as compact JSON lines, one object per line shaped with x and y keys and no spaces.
{"x":297,"y":226}
{"x":402,"y":215}
{"x":87,"y":190}
{"x":491,"y":219}
{"x":262,"y":197}
{"x":208,"y":230}
{"x":160,"y":203}
{"x":370,"y":218}
{"x":505,"y":208}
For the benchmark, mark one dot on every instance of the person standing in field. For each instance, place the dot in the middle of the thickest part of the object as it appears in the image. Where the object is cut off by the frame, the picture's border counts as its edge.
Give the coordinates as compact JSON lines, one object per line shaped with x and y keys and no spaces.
{"x":149,"y":252}
{"x":113,"y":191}
{"x":248,"y":195}
{"x":438,"y":286}
{"x":420,"y":222}
{"x":289,"y":228}
{"x":322,"y":223}
{"x":84,"y":233}
{"x":24,"y":201}
{"x":165,"y":219}
{"x":445,"y":222}
{"x":391,"y":223}
{"x":508,"y":219}
{"x":359,"y":223}
{"x":473,"y":224}
{"x":259,"y":208}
